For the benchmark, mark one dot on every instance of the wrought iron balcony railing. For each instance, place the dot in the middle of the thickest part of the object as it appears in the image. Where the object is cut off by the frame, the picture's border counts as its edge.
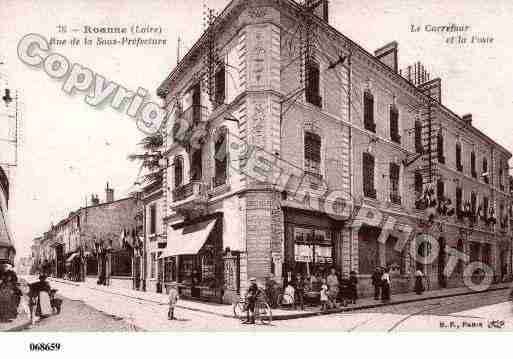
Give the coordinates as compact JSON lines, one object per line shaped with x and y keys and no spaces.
{"x":191,"y":189}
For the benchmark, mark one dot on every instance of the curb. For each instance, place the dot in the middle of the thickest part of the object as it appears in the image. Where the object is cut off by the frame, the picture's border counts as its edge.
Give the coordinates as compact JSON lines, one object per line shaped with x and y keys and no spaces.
{"x":299,"y":315}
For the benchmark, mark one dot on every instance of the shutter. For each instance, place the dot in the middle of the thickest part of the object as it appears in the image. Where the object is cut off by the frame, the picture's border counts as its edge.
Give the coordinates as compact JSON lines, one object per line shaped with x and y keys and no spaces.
{"x":220,"y":85}
{"x":394,"y":123}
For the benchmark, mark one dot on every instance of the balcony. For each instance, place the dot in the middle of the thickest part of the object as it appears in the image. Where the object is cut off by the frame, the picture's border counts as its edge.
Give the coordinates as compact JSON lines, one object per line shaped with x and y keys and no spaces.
{"x":190,"y":198}
{"x":187,"y":121}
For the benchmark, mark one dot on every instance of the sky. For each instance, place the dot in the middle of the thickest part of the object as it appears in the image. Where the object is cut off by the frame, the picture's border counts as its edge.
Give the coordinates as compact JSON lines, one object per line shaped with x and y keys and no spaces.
{"x":69,"y":150}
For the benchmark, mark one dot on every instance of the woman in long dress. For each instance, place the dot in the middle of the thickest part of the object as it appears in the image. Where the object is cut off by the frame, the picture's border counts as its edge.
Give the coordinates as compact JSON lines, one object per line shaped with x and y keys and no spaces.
{"x":419,"y":284}
{"x":385,"y":283}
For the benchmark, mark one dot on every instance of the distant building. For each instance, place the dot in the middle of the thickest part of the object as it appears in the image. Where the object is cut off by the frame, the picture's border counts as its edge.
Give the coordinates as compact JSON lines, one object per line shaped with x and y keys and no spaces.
{"x":96,"y":243}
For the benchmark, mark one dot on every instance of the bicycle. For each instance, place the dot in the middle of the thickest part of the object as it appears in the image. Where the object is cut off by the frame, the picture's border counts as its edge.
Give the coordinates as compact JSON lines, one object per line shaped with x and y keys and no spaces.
{"x":263,"y":312}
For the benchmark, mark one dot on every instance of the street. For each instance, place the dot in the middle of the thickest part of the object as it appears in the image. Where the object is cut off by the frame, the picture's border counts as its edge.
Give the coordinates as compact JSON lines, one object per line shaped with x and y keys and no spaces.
{"x":86,"y":309}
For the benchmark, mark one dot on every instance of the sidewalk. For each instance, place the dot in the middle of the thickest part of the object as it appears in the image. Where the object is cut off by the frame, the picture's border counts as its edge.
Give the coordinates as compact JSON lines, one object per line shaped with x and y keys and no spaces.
{"x":20,"y":323}
{"x":225,"y":310}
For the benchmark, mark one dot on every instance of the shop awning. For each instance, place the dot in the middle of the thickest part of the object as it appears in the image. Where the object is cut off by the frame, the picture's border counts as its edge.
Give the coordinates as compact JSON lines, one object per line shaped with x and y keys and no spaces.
{"x":71,"y":257}
{"x":189,"y":239}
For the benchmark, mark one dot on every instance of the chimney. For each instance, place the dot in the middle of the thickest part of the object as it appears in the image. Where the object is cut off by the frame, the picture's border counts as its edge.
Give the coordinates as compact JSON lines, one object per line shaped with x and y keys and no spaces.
{"x":95,"y":200}
{"x":109,"y":194}
{"x":320,"y":8}
{"x":388,"y":55}
{"x":467,"y":119}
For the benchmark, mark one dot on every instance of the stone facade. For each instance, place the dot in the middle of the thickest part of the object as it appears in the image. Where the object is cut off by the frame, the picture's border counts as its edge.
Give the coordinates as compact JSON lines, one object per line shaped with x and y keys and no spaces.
{"x":271,"y":195}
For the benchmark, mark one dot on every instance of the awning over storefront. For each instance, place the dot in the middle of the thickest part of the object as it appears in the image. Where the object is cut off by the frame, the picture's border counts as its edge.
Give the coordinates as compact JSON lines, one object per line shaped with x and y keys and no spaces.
{"x":71,"y":257}
{"x":189,"y":239}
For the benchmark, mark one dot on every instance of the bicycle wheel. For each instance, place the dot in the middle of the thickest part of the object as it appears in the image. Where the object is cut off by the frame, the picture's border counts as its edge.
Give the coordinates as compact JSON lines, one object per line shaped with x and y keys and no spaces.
{"x":263,"y":313}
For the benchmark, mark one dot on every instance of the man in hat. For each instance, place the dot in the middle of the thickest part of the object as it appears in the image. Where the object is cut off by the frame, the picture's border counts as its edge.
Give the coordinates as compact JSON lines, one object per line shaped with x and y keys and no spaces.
{"x":251,"y":298}
{"x":376,"y":282}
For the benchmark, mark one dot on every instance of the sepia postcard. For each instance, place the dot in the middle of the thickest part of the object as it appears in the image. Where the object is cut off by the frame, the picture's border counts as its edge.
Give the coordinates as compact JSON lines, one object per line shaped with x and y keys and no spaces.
{"x":257,"y":166}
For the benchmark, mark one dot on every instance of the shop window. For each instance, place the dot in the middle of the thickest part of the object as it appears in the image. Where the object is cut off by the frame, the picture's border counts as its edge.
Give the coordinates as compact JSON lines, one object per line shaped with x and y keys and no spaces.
{"x":313,"y":83}
{"x":368,"y":176}
{"x":196,"y":165}
{"x":418,"y":137}
{"x":440,"y":147}
{"x":220,"y":77}
{"x":459,"y":165}
{"x":418,"y":182}
{"x":473,"y":164}
{"x":395,"y":195}
{"x":178,"y":168}
{"x":394,"y":124}
{"x":368,"y":111}
{"x":312,"y":153}
{"x":153,"y":219}
{"x":169,"y":270}
{"x":313,"y":250}
{"x":221,"y":160}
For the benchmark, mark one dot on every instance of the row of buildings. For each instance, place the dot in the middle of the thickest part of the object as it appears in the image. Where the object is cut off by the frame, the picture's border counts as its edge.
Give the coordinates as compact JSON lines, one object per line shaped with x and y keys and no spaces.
{"x":280,"y":129}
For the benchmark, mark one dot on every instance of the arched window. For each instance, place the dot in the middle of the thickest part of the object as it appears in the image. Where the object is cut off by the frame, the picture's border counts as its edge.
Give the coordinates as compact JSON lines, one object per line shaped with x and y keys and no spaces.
{"x":221,"y":157}
{"x":368,"y":111}
{"x":178,"y":165}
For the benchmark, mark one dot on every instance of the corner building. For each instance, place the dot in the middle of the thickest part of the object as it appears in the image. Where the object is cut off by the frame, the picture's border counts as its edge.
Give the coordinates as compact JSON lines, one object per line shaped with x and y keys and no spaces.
{"x":294,"y":128}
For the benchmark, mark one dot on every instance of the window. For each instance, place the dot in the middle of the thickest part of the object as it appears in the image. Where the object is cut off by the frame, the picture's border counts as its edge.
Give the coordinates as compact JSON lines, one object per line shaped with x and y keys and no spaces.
{"x":196,"y":103}
{"x":196,"y":165}
{"x":473,"y":203}
{"x":394,"y":183}
{"x":501,"y":174}
{"x":418,"y":137}
{"x":220,"y":158}
{"x":153,"y":219}
{"x":486,"y":204}
{"x":313,"y":249}
{"x":178,"y":165}
{"x":485,"y":171}
{"x":368,"y":176}
{"x":313,"y":83}
{"x":440,"y":190}
{"x":220,"y":85}
{"x":312,"y":153}
{"x":440,"y":147}
{"x":459,"y":199}
{"x":473,"y":164}
{"x":418,"y":182}
{"x":394,"y":124}
{"x":459,"y":165}
{"x":368,"y":111}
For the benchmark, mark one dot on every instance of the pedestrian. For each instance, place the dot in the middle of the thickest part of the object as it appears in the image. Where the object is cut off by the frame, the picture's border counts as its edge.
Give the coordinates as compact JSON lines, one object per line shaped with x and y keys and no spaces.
{"x":419,"y":282}
{"x":353,"y":287}
{"x":324,"y":295}
{"x":385,"y":286}
{"x":376,"y":282}
{"x":173,"y":299}
{"x":333,"y":286}
{"x":251,"y":297}
{"x":299,"y":291}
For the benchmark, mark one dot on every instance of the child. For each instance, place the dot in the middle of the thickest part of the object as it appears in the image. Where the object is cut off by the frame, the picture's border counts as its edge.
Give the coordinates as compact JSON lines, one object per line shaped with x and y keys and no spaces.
{"x":173,"y":298}
{"x":324,"y":295}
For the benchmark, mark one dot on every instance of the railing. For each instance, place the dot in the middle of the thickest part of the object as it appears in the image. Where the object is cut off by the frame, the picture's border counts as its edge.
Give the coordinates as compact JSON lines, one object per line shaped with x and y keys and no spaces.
{"x":188,"y":190}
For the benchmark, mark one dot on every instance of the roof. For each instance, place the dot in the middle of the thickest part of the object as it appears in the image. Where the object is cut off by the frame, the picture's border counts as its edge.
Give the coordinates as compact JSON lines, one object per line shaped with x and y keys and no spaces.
{"x":234,"y":4}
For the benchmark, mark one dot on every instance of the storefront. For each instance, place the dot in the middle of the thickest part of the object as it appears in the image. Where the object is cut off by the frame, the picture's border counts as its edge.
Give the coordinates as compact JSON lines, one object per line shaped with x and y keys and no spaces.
{"x":312,"y":244}
{"x":193,"y":258}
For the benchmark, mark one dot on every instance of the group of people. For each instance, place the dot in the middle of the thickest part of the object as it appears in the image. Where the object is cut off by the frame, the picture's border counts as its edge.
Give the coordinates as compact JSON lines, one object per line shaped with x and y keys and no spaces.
{"x":381,"y":283}
{"x":10,"y":293}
